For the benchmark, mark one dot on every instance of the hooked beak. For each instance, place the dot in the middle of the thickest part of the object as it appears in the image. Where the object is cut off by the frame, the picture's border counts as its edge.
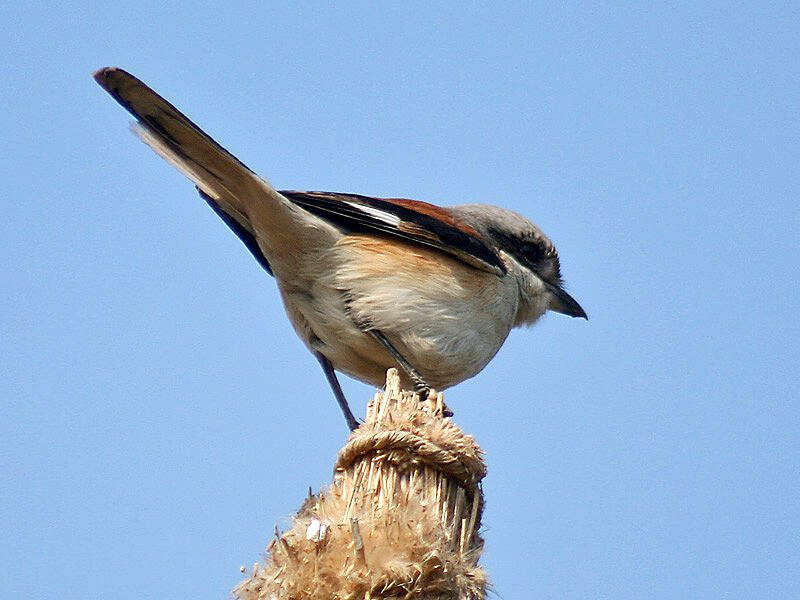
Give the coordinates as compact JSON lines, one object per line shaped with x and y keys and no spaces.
{"x":561,"y":301}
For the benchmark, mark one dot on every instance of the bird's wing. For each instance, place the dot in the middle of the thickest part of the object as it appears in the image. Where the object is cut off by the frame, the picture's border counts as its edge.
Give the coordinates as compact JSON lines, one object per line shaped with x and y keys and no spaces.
{"x":239,"y":196}
{"x":243,"y":232}
{"x":410,"y":220}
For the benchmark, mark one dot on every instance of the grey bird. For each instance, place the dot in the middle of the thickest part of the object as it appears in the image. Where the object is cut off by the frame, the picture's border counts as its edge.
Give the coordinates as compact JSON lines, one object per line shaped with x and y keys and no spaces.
{"x":369,"y":283}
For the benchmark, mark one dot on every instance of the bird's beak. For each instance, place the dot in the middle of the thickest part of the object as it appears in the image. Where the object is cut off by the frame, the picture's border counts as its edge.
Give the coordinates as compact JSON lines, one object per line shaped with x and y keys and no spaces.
{"x":561,"y":301}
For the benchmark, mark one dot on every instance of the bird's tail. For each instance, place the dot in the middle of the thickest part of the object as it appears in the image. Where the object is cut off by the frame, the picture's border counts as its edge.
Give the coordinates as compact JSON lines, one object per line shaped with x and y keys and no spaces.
{"x":219,"y":175}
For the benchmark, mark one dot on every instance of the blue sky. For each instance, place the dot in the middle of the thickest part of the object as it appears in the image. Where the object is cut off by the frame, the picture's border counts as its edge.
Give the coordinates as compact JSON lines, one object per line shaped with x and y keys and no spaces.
{"x":157,"y":414}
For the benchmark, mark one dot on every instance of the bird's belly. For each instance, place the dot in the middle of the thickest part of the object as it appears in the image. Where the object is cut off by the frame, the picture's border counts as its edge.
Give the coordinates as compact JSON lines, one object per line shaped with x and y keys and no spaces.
{"x":447,"y":319}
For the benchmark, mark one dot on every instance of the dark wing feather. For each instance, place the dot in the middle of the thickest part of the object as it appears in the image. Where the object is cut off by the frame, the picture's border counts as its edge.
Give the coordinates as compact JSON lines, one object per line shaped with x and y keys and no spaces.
{"x":244,"y":234}
{"x":410,"y":220}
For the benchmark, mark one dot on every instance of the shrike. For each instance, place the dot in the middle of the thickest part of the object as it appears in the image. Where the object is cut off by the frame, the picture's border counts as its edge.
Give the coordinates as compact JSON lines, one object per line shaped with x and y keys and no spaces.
{"x":369,"y":283}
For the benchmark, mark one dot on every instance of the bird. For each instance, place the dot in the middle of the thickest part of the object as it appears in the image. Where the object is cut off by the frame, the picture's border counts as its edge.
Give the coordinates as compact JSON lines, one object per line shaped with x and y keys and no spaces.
{"x":369,"y":283}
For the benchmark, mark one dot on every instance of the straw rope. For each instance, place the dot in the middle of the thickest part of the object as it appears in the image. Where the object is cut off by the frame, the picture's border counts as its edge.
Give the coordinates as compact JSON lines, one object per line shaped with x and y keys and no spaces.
{"x":400,"y":520}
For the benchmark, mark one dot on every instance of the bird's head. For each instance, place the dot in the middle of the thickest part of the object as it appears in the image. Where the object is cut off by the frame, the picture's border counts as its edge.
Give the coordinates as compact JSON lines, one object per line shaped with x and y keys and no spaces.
{"x":528,"y":254}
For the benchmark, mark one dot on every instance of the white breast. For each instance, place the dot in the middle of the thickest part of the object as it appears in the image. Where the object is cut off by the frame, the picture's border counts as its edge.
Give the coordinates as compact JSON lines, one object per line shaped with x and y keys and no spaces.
{"x":446,"y":318}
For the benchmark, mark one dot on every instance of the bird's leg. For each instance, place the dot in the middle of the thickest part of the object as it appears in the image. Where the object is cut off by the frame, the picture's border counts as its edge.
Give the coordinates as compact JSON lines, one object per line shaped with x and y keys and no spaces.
{"x":330,"y":374}
{"x":420,"y":386}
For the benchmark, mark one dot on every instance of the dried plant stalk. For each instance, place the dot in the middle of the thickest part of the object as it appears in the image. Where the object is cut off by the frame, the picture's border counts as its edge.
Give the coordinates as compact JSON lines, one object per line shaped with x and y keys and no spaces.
{"x":400,"y":520}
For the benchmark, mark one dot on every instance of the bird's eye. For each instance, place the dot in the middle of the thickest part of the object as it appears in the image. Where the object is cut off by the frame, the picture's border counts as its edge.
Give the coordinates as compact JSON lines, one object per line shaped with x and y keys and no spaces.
{"x":537,"y":255}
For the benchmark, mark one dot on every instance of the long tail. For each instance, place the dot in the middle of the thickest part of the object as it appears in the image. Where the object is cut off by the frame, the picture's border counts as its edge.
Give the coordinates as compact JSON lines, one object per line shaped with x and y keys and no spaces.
{"x":222,"y":179}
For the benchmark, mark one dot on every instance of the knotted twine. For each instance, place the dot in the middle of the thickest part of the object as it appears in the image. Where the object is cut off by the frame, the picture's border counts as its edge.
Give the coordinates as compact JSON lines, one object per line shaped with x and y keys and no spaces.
{"x":400,"y":520}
